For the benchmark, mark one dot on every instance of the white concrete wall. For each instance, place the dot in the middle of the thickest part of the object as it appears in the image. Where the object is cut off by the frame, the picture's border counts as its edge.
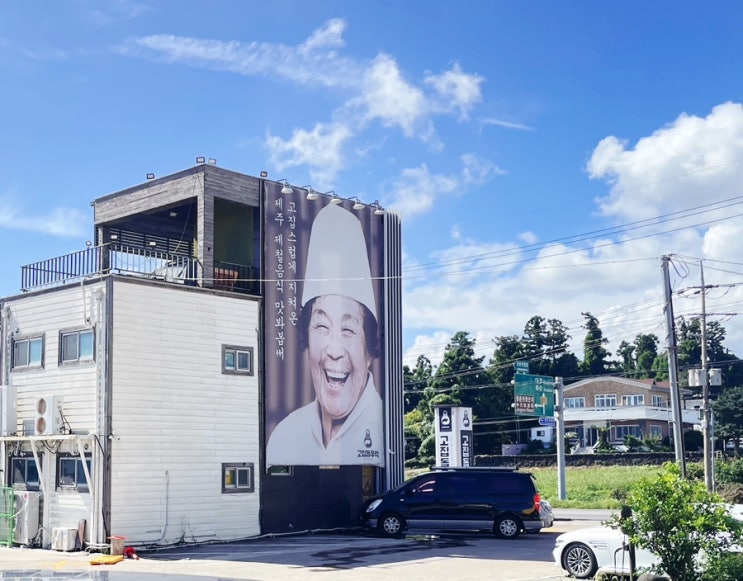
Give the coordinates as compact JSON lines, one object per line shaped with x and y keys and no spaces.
{"x":176,"y":417}
{"x":48,"y":314}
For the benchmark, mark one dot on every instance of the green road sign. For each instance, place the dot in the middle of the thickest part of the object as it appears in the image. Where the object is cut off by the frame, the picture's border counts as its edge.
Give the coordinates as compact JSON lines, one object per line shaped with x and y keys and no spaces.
{"x":534,"y":395}
{"x":521,"y":366}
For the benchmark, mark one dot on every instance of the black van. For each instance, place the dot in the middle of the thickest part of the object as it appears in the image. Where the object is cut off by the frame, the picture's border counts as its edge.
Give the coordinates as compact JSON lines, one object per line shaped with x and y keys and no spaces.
{"x":503,"y":501}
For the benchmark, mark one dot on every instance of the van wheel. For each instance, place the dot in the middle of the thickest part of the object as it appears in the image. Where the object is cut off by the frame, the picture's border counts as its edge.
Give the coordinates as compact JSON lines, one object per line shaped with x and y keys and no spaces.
{"x":391,"y":524}
{"x":507,"y":527}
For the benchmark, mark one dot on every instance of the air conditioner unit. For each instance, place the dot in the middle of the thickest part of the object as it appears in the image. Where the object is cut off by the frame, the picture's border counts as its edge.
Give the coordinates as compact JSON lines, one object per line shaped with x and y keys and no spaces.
{"x":48,"y":421}
{"x":27,"y":517}
{"x":64,"y":539}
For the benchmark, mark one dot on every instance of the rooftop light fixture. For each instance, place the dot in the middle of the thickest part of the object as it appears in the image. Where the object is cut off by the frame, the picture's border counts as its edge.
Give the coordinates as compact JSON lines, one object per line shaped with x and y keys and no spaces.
{"x":212,"y":161}
{"x":200,"y":159}
{"x":264,"y":174}
{"x":311,"y":194}
{"x":335,"y":200}
{"x":378,"y":210}
{"x":286,"y":189}
{"x":358,"y":204}
{"x":150,"y":176}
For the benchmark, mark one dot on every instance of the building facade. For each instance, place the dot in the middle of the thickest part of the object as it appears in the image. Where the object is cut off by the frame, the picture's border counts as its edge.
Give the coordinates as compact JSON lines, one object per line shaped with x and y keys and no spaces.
{"x":623,"y":407}
{"x":139,"y":374}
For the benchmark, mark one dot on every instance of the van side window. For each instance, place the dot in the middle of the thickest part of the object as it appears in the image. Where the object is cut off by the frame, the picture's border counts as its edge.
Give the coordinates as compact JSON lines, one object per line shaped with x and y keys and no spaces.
{"x":425,"y":486}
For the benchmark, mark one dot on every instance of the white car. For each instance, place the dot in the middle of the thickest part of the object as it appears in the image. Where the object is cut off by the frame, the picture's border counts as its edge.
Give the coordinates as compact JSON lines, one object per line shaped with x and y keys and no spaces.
{"x":583,"y":552}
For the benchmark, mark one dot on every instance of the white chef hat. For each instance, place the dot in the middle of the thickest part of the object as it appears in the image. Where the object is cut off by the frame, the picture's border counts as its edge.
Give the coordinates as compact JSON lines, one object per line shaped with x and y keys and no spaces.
{"x":337,"y":260}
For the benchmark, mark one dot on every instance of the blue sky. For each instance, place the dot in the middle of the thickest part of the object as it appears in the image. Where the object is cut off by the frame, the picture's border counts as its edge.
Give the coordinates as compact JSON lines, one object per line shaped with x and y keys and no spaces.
{"x":543,"y":155}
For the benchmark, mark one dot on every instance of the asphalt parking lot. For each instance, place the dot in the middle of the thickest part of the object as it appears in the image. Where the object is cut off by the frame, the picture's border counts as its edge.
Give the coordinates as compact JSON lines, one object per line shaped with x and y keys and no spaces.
{"x":359,"y":555}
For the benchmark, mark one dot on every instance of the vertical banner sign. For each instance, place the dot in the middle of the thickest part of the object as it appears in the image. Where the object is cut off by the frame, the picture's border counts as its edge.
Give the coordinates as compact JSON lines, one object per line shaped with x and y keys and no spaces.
{"x":444,"y":435}
{"x":323,"y":275}
{"x":453,"y":433}
{"x":465,"y":437}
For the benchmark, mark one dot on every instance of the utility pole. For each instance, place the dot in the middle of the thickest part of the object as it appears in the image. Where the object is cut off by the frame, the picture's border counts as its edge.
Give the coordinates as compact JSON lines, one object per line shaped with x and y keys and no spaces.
{"x":560,"y":423}
{"x":709,"y":478}
{"x":678,"y":439}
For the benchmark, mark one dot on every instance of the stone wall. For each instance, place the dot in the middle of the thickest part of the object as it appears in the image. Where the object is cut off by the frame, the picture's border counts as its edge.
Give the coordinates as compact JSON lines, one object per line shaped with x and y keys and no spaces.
{"x":573,"y":460}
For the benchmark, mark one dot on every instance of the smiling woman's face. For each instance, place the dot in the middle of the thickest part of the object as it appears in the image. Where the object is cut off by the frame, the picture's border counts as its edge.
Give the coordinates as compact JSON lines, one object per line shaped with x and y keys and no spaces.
{"x":339,"y":361}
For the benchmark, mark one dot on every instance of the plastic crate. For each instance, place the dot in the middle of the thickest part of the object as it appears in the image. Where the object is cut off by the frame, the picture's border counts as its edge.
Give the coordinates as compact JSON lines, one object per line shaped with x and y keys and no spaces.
{"x":7,"y":501}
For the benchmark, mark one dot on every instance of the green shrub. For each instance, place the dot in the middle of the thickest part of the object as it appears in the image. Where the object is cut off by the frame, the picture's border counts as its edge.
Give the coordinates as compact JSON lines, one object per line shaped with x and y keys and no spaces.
{"x":725,"y":567}
{"x":727,"y":471}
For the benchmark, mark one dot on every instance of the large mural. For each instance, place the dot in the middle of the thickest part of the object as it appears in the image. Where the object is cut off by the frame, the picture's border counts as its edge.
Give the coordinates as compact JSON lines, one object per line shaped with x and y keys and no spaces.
{"x":324,"y":326}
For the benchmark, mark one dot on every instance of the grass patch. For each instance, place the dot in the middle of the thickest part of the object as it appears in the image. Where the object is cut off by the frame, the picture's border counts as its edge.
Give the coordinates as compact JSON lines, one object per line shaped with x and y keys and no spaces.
{"x":591,"y":487}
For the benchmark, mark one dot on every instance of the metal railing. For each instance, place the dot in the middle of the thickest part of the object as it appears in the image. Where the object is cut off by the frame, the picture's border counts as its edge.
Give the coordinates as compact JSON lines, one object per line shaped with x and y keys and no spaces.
{"x":134,"y":261}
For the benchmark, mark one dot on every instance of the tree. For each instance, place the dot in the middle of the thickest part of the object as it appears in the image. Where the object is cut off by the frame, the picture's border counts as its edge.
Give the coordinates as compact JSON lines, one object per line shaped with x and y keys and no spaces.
{"x":729,"y":414}
{"x":595,"y":355}
{"x":415,"y":381}
{"x":626,"y":352}
{"x":678,"y":519}
{"x":646,"y":352}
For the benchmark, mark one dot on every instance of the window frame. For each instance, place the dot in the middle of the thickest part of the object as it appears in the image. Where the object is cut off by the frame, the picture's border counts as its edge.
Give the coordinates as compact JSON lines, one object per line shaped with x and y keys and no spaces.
{"x":608,"y":397}
{"x":236,"y":350}
{"x":79,"y":359}
{"x":15,"y":366}
{"x":238,"y":467}
{"x":634,"y":400}
{"x":570,"y":401}
{"x":634,"y":428}
{"x":658,"y":401}
{"x":27,"y":460}
{"x":280,"y":470}
{"x":80,"y":484}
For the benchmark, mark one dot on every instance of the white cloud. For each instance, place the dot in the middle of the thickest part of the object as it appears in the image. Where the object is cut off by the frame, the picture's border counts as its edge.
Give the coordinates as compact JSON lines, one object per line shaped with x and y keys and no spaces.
{"x":682,"y":165}
{"x":416,"y":189}
{"x":492,"y":289}
{"x":505,"y":124}
{"x":321,"y":148}
{"x":369,"y":92}
{"x":459,"y":91}
{"x":59,"y":222}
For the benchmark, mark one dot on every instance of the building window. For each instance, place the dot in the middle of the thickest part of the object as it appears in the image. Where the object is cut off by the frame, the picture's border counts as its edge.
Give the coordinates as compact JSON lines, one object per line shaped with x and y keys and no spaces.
{"x":605,"y":400}
{"x":237,"y":360}
{"x":281,"y":471}
{"x":659,"y":401}
{"x":655,"y":431}
{"x":28,"y":352}
{"x":575,"y":402}
{"x":621,"y":432}
{"x":24,"y":474}
{"x":71,"y":474}
{"x":76,"y":346}
{"x":633,"y":400}
{"x":237,"y":477}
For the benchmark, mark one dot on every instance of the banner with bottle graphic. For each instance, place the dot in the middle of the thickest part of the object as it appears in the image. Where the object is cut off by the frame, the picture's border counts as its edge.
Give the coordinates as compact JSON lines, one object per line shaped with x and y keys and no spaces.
{"x":454,"y":443}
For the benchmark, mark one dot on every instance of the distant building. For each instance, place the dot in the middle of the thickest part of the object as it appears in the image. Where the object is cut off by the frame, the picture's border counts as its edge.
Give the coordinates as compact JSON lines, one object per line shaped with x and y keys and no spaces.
{"x":625,"y":407}
{"x":141,"y":376}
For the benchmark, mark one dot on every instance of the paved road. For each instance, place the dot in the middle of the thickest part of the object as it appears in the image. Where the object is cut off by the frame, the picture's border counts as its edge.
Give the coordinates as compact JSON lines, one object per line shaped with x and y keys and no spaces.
{"x":322,"y":556}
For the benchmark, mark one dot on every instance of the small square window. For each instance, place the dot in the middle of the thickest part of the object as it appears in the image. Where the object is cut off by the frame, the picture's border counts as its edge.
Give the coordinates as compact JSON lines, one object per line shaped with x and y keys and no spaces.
{"x":28,"y":352}
{"x":76,"y":346}
{"x":237,"y":360}
{"x":237,"y":477}
{"x":71,"y":474}
{"x":23,"y":473}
